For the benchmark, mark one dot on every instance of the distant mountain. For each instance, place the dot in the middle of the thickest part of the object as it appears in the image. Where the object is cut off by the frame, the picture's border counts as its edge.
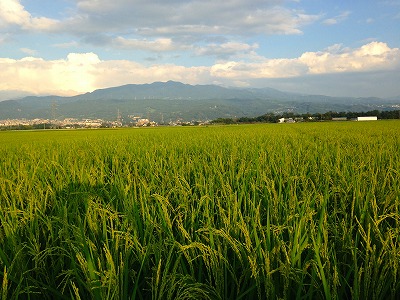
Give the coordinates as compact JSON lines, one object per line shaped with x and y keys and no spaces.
{"x":172,"y":90}
{"x":175,"y":100}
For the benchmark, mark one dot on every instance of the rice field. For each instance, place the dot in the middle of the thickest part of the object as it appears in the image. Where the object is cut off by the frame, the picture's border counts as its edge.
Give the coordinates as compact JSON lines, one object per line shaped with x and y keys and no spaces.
{"x":273,"y":211}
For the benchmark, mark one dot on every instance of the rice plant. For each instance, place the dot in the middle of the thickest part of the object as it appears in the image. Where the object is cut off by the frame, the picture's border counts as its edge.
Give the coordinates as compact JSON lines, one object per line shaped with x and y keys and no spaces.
{"x":305,"y":211}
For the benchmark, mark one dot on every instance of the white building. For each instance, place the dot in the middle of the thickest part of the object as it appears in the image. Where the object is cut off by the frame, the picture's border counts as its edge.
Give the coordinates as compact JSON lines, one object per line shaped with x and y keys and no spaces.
{"x":286,"y":120}
{"x":369,"y":118}
{"x":142,"y":122}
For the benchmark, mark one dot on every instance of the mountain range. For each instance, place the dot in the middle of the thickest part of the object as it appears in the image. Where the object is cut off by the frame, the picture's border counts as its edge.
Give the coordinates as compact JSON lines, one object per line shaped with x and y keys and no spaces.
{"x":164,"y":101}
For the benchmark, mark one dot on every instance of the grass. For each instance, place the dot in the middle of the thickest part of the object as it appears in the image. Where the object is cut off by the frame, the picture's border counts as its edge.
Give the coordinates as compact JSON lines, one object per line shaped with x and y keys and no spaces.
{"x":305,"y":211}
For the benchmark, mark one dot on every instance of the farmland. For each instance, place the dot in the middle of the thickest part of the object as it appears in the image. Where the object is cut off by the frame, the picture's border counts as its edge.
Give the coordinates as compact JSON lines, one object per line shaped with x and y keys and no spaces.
{"x":268,"y":211}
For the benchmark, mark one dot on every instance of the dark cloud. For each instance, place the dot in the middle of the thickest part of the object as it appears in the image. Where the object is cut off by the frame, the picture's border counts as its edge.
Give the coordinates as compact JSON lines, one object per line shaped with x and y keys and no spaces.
{"x":170,"y":18}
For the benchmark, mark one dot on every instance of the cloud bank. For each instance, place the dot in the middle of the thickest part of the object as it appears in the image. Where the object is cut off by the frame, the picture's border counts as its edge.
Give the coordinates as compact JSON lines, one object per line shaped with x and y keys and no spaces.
{"x":370,"y":57}
{"x":83,"y":72}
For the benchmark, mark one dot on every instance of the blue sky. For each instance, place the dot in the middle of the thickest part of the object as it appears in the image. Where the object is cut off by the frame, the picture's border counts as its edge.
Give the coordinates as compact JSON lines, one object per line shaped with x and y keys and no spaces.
{"x":65,"y":47}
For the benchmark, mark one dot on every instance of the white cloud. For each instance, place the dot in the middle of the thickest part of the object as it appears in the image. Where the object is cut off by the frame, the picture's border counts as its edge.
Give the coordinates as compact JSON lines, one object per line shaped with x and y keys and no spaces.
{"x":225,"y":50}
{"x":337,"y":19}
{"x":28,"y":51}
{"x":71,"y":44}
{"x":83,"y":59}
{"x":370,"y":57}
{"x":75,"y":74}
{"x":269,"y":68}
{"x":13,"y":13}
{"x":335,"y":48}
{"x":157,"y":45}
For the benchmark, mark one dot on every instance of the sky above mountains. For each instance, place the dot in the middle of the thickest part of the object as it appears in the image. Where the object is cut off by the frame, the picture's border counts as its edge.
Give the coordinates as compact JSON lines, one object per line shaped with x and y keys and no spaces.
{"x":332,"y":47}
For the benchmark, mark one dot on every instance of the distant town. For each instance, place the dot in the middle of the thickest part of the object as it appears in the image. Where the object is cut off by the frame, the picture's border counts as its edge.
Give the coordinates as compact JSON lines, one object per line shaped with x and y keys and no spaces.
{"x":72,"y":123}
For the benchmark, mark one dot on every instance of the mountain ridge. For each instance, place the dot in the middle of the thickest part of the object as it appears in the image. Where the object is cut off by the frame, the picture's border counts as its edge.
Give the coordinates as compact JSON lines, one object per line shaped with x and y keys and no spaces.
{"x":173,"y":100}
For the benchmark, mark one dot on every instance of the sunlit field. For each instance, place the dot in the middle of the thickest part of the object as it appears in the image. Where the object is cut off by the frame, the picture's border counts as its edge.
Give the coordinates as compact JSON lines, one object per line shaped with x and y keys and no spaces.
{"x":274,"y":211}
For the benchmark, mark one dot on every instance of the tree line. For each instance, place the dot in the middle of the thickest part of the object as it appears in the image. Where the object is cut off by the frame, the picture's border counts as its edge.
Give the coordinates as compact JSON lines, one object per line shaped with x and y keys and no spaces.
{"x":307,"y":117}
